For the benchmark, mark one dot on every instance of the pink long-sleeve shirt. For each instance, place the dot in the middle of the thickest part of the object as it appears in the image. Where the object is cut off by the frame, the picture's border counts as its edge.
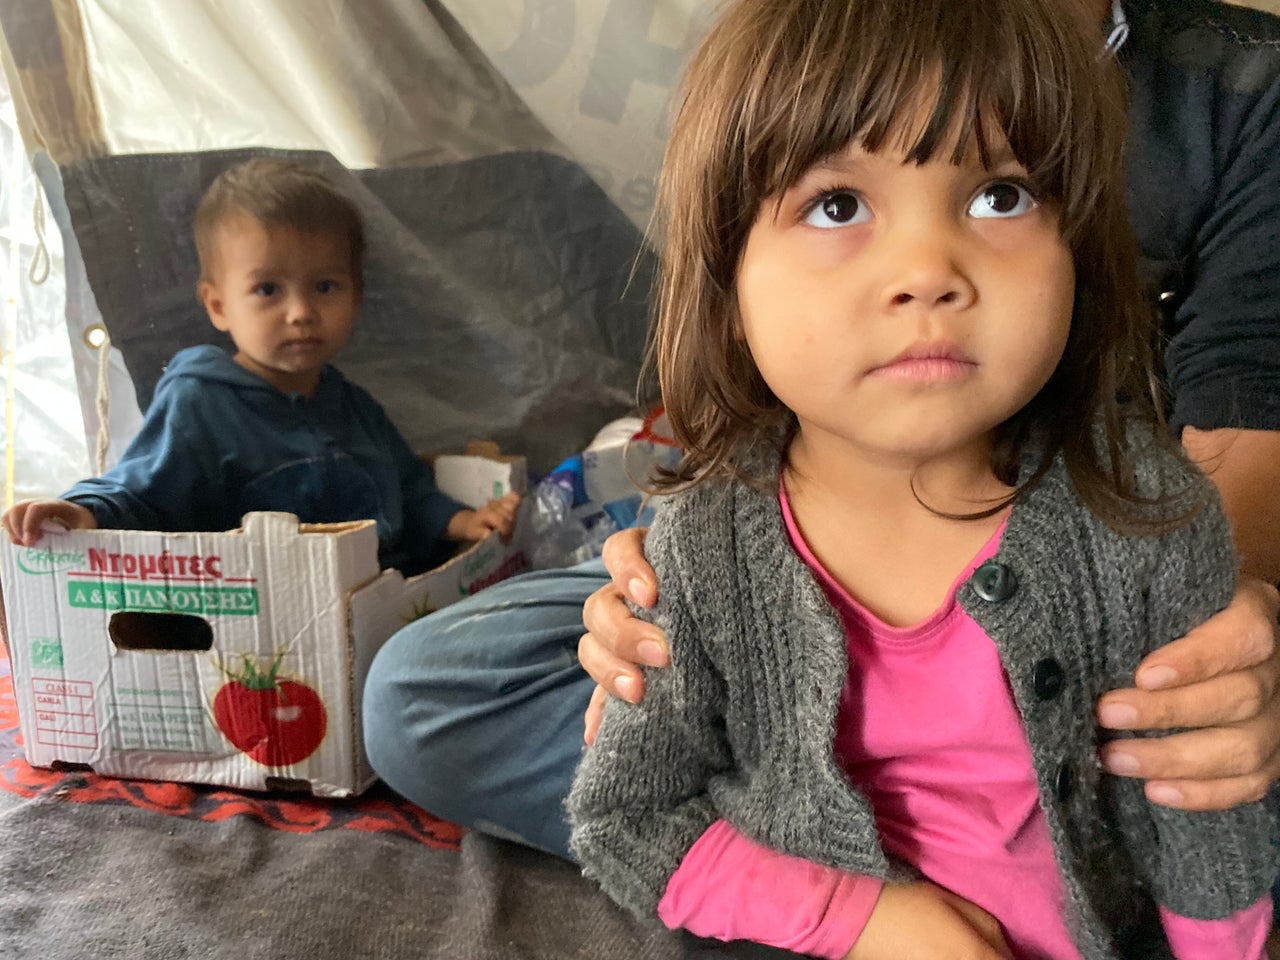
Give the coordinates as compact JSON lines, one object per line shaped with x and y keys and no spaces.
{"x":928,"y":730}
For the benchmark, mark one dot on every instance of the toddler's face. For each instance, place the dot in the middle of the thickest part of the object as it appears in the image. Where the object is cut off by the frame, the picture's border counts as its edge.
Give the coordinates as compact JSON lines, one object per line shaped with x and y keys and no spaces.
{"x":906,"y":309}
{"x":288,"y":299}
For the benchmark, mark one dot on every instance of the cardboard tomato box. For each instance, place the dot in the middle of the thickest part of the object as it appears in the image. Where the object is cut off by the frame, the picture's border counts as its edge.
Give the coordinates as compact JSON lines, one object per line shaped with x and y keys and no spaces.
{"x":231,"y":658}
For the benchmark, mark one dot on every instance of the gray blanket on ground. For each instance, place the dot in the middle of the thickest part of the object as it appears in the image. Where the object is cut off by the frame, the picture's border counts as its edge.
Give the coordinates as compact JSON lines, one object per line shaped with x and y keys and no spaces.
{"x":99,"y":882}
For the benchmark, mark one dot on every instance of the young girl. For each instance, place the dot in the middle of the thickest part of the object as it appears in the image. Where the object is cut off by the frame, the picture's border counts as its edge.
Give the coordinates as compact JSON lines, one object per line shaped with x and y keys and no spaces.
{"x":914,"y":535}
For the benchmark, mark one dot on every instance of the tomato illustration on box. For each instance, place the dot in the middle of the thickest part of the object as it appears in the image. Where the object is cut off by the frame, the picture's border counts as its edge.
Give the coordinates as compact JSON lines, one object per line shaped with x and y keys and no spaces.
{"x":274,"y":720}
{"x":233,"y":658}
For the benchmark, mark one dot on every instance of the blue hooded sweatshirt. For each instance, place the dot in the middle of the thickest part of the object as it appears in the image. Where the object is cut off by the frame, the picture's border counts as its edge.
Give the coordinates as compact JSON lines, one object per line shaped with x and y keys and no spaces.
{"x":219,"y":441}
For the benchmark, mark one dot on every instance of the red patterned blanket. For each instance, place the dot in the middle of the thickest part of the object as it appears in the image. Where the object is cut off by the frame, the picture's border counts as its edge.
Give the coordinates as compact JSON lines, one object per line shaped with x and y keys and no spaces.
{"x":378,"y":810}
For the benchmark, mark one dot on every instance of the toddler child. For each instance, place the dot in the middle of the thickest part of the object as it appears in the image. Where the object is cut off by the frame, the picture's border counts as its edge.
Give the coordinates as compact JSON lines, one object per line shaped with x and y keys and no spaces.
{"x":274,"y":426}
{"x":914,"y":535}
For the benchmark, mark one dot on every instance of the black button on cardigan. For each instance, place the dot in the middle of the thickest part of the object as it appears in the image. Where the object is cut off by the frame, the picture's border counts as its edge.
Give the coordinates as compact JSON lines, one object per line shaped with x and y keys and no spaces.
{"x":994,"y":582}
{"x":1048,"y":679}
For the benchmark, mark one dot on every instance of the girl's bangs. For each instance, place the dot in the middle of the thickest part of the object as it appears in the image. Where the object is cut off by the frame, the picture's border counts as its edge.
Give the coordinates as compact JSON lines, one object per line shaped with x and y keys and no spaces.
{"x":932,"y":79}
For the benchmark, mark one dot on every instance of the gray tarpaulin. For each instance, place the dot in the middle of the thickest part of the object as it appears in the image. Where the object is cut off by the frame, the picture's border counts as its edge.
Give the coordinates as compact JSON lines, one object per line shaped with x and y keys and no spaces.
{"x":506,"y":296}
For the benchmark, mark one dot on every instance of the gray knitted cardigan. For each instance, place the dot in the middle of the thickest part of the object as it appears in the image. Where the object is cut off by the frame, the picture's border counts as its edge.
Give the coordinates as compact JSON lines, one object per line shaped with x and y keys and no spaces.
{"x":741,"y":725}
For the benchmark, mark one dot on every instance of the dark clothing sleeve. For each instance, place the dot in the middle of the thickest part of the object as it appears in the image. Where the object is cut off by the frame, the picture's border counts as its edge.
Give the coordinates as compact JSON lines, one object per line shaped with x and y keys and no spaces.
{"x":1223,"y":360}
{"x":427,"y":510}
{"x":168,"y":478}
{"x":219,"y":442}
{"x":417,"y":545}
{"x":1204,"y":189}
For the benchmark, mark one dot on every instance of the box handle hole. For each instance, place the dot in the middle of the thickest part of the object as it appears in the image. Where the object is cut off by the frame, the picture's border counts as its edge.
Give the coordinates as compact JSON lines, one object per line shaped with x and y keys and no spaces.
{"x":133,"y":630}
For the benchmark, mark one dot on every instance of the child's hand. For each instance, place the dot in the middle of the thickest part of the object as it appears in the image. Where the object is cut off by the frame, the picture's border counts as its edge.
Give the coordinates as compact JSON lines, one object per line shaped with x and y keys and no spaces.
{"x":496,"y":515}
{"x":25,"y":521}
{"x":921,"y":921}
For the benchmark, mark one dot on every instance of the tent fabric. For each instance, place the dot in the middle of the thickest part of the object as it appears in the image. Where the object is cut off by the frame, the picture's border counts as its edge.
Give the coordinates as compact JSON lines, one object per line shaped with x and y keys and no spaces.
{"x":504,"y":154}
{"x":520,"y":320}
{"x":42,"y":426}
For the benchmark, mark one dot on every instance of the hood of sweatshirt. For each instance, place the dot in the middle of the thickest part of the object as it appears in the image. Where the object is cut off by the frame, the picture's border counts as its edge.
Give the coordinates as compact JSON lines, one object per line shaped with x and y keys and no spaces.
{"x":211,"y":363}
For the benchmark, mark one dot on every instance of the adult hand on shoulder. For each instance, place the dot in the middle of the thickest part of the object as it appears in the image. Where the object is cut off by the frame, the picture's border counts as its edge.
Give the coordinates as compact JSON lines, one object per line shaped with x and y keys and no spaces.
{"x":1222,"y":680}
{"x":25,"y":522}
{"x":921,"y":921}
{"x":616,"y":643}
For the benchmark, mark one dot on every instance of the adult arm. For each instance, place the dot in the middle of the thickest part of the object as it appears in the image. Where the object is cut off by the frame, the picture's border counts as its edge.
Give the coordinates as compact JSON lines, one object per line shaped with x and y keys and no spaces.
{"x":1205,"y":180}
{"x":1202,"y":866}
{"x":617,"y":644}
{"x":1245,"y":467}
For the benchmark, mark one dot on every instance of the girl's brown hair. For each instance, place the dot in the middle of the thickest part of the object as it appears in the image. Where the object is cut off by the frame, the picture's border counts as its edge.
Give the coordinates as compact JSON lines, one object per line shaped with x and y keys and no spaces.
{"x":778,"y":85}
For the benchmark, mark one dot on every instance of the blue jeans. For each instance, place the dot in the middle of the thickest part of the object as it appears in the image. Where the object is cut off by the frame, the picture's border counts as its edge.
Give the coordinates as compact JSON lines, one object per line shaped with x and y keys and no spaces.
{"x":475,"y":712}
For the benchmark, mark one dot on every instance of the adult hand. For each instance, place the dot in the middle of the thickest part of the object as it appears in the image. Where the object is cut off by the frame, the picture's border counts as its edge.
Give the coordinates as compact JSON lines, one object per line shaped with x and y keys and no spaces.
{"x":1222,"y":680}
{"x":616,"y":643}
{"x":921,"y":921}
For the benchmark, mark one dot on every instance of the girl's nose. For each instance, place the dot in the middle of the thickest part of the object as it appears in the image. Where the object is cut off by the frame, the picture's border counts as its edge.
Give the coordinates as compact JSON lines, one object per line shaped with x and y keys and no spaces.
{"x":926,"y":275}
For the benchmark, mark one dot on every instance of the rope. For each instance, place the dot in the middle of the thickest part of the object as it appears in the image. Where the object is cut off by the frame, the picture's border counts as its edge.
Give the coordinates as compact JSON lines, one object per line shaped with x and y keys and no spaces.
{"x":103,"y":403}
{"x":1119,"y":29}
{"x":41,"y":263}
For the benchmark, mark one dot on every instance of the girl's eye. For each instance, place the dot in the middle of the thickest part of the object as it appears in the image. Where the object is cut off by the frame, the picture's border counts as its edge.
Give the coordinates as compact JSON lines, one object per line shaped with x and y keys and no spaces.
{"x":1002,"y":199}
{"x":266,"y":289}
{"x":326,"y":286}
{"x":840,"y":208}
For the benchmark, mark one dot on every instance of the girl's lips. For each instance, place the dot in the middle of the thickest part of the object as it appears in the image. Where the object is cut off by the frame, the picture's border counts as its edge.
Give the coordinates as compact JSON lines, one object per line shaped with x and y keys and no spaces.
{"x":937,"y":363}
